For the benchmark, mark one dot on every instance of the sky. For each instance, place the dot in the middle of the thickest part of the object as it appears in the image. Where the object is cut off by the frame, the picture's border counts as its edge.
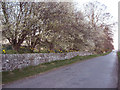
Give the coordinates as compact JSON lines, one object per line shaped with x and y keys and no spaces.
{"x":112,"y":7}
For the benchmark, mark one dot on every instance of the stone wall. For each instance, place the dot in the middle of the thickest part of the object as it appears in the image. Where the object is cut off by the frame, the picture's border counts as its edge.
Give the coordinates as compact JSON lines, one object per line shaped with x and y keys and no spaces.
{"x":17,"y":61}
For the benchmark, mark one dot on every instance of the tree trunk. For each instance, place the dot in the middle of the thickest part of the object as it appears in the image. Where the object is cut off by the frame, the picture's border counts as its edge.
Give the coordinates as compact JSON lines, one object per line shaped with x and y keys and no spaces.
{"x":39,"y":49}
{"x":16,"y":47}
{"x":51,"y":46}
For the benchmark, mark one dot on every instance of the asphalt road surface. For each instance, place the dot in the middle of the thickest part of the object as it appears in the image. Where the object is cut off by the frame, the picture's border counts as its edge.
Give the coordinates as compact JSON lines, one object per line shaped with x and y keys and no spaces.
{"x":99,"y":72}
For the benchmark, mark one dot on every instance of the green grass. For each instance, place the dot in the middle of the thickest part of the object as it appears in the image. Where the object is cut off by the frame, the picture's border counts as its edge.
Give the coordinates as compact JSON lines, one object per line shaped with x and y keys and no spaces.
{"x":17,"y":74}
{"x":118,"y":54}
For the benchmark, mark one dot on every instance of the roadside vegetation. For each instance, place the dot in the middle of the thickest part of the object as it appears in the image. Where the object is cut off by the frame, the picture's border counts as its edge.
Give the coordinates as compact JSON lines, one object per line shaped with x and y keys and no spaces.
{"x":118,"y":53}
{"x":7,"y":49}
{"x":17,"y":74}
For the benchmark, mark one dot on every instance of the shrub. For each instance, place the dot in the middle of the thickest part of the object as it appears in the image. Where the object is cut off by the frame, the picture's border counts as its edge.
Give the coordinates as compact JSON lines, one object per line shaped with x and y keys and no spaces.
{"x":11,"y":52}
{"x":24,"y":50}
{"x":7,"y":47}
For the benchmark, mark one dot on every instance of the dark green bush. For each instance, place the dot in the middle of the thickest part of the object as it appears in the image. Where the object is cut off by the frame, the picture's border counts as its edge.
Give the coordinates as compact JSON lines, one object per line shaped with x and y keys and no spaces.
{"x":7,"y":47}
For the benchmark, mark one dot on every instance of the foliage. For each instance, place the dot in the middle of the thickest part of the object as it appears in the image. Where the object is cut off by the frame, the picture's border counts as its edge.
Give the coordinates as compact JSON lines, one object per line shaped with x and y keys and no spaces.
{"x":118,"y":54}
{"x":57,"y":26}
{"x":11,"y":52}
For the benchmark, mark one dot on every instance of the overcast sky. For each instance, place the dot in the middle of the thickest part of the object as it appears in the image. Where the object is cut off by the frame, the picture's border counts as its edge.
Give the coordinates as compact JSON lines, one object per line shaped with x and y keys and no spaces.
{"x":112,"y":7}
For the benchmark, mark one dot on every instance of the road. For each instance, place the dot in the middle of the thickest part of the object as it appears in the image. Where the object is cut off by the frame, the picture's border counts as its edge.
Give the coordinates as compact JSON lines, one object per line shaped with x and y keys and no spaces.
{"x":99,"y":72}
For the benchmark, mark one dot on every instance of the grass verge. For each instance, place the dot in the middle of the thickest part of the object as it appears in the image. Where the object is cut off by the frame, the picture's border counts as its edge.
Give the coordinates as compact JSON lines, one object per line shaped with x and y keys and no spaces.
{"x":17,"y":74}
{"x":118,"y":54}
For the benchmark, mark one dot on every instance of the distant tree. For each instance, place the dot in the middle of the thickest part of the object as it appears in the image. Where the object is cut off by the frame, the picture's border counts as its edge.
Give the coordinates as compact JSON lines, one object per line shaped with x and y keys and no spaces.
{"x":98,"y":19}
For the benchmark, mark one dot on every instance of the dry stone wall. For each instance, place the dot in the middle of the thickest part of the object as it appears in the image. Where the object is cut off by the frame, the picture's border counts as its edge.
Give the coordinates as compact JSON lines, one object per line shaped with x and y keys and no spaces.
{"x":18,"y":61}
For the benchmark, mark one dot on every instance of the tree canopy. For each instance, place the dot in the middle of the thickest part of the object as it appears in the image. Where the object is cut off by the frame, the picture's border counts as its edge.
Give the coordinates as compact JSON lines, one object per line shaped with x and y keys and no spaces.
{"x":57,"y":25}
